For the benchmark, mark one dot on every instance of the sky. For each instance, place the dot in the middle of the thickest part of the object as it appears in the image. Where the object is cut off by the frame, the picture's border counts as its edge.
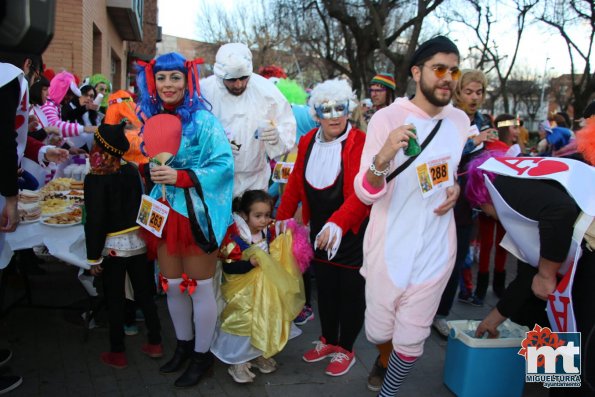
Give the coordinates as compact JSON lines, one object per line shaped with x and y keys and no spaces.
{"x":180,"y":18}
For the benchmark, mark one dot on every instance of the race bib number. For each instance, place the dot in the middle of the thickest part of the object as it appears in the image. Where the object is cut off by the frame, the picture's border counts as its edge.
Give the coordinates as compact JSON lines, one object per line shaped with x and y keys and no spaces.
{"x":434,"y":175}
{"x":281,"y":172}
{"x":152,"y":215}
{"x":439,"y":173}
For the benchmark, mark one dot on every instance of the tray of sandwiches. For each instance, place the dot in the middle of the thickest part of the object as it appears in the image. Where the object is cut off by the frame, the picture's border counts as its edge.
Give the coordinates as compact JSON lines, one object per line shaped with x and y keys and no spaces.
{"x":70,"y":218}
{"x":61,"y":196}
{"x":56,"y":204}
{"x":61,"y":185}
{"x":28,"y":207}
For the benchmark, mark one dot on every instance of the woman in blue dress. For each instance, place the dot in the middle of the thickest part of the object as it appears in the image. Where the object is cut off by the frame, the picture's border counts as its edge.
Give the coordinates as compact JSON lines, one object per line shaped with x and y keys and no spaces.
{"x":198,"y":190}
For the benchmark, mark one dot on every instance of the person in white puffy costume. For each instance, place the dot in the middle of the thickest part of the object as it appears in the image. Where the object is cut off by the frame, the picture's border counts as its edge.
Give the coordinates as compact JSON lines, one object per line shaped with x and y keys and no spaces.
{"x":256,"y":117}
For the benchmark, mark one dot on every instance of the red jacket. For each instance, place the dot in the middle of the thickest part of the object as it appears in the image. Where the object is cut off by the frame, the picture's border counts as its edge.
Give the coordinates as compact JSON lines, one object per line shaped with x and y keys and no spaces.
{"x":353,"y":212}
{"x":32,"y":149}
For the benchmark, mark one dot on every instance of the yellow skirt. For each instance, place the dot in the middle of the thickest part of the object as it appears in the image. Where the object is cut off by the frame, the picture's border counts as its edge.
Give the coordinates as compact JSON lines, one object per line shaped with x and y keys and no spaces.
{"x":262,"y":303}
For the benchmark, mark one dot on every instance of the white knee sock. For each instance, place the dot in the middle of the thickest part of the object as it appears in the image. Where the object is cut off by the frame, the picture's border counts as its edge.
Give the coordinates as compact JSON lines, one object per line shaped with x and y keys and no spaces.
{"x":180,"y":309}
{"x":205,"y":315}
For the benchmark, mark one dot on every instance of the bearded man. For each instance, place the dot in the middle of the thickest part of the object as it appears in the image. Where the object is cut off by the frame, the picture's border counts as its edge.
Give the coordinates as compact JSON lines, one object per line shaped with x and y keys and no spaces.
{"x":410,"y":242}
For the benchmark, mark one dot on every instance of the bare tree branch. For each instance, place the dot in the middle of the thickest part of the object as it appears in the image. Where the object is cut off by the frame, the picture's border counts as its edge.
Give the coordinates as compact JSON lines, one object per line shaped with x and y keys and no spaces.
{"x":563,"y":19}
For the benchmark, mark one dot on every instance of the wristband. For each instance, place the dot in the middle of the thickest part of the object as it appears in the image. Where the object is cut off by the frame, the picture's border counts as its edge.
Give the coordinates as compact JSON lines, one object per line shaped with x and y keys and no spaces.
{"x":384,"y":172}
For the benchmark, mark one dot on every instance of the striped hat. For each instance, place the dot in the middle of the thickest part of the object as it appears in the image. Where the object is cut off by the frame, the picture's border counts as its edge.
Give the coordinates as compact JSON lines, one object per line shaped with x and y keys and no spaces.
{"x":385,"y":79}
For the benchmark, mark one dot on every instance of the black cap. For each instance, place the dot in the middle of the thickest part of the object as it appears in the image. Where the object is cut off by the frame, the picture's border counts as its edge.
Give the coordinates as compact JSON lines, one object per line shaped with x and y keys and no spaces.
{"x":431,"y":47}
{"x":112,"y":139}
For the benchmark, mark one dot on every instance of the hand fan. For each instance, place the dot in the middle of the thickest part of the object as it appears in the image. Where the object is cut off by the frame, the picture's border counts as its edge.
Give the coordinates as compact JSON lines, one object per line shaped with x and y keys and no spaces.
{"x":162,"y":135}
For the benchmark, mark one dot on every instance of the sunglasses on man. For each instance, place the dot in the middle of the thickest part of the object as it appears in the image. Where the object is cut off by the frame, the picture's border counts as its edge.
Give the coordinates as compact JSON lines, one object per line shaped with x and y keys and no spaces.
{"x":441,"y":70}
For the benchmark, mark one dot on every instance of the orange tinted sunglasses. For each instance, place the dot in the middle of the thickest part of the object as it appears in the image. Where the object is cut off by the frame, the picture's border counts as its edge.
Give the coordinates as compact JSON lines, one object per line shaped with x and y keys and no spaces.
{"x":441,"y":70}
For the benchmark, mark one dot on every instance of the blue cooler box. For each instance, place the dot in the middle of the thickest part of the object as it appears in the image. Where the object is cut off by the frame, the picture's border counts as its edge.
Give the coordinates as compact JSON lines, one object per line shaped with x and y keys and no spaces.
{"x":484,"y":367}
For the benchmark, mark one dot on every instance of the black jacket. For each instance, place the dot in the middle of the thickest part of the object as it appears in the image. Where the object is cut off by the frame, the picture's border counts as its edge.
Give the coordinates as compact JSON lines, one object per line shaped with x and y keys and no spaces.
{"x":111,"y":205}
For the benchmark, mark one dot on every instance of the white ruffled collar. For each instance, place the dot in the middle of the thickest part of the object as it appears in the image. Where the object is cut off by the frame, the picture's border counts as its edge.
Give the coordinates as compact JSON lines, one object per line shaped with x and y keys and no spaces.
{"x":324,"y":163}
{"x":319,"y":140}
{"x":246,"y":234}
{"x":243,"y":228}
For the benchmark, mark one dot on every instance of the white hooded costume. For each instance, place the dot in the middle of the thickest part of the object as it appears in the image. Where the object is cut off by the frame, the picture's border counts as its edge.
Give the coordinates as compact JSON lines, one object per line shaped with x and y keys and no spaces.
{"x":261,"y":103}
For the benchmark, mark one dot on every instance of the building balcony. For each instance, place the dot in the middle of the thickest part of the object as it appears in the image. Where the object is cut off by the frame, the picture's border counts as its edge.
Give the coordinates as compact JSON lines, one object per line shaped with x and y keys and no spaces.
{"x":127,"y":17}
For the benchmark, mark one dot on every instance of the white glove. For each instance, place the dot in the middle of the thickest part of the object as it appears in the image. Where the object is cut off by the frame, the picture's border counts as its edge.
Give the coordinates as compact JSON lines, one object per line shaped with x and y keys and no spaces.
{"x":269,"y":135}
{"x":280,"y":227}
{"x":335,"y":233}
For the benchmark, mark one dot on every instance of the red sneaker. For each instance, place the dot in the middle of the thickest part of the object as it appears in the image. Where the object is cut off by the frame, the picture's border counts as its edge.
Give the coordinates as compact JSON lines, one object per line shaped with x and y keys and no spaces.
{"x":153,"y":351}
{"x":320,"y":352}
{"x":116,"y":360}
{"x":341,"y":362}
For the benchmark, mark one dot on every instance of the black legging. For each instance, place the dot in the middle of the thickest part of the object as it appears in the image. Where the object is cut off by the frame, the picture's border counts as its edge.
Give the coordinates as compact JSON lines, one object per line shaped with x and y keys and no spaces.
{"x":143,"y":282}
{"x":307,"y":276}
{"x":341,"y":303}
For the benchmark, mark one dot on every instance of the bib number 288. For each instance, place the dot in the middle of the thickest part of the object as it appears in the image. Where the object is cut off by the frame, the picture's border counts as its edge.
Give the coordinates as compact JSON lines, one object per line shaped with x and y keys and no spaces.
{"x":439,"y":173}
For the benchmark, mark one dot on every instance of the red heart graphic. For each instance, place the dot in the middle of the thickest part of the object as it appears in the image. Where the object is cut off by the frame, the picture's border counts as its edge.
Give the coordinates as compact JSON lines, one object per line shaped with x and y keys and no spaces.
{"x":547,"y":167}
{"x":18,"y":121}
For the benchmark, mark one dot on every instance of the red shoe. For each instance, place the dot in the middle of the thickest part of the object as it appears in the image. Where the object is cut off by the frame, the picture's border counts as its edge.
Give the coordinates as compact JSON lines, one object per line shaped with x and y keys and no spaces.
{"x":320,"y":352}
{"x":116,"y":360}
{"x":341,"y":362}
{"x":153,"y":351}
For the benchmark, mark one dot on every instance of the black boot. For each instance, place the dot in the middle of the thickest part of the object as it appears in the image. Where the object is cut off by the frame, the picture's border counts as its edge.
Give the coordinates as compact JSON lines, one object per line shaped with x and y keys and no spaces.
{"x":483,"y":280}
{"x":182,"y":353}
{"x":499,"y":283}
{"x":200,"y":364}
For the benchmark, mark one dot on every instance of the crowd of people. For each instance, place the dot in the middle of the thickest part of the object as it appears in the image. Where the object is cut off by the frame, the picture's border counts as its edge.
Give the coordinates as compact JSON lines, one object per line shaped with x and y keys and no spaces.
{"x":384,"y":202}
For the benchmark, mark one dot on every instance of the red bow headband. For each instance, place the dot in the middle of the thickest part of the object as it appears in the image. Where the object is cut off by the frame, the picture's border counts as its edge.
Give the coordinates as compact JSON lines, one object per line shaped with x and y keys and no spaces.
{"x":150,"y":77}
{"x":191,"y":67}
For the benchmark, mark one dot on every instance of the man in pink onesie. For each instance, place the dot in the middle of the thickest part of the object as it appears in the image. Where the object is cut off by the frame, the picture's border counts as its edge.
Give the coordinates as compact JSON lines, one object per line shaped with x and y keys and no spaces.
{"x":410,"y":242}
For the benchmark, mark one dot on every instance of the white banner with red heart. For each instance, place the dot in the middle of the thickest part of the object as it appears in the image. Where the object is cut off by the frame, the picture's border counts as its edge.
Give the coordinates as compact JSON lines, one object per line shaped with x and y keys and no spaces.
{"x":576,"y":177}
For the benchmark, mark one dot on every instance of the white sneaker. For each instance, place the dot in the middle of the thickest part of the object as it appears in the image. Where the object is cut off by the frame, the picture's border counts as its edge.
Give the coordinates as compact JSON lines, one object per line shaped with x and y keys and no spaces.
{"x":241,"y":373}
{"x":441,"y":326}
{"x":264,"y":365}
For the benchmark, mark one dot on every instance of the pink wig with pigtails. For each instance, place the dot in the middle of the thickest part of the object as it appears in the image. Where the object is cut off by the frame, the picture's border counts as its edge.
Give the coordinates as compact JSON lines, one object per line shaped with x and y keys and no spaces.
{"x":476,"y":190}
{"x":60,"y":85}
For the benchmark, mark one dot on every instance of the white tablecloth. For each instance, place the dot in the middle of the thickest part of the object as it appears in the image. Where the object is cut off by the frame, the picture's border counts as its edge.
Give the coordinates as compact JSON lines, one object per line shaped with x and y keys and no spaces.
{"x":64,"y":243}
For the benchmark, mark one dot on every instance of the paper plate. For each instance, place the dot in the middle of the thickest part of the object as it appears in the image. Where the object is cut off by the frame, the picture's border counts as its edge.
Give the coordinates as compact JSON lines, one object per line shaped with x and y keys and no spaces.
{"x":60,"y":224}
{"x":29,"y":221}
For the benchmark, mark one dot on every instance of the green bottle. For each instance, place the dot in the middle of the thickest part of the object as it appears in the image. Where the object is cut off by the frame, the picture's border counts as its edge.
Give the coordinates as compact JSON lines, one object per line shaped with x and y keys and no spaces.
{"x":413,"y":148}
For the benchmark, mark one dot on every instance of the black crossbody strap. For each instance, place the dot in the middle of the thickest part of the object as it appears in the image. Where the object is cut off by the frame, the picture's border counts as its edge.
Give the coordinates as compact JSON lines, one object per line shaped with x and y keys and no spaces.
{"x":209,"y":245}
{"x":402,"y":167}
